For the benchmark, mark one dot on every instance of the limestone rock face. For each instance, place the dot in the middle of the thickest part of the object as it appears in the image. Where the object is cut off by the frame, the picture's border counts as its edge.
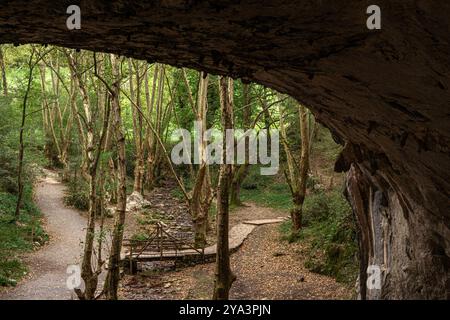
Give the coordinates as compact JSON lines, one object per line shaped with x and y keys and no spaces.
{"x":385,"y":93}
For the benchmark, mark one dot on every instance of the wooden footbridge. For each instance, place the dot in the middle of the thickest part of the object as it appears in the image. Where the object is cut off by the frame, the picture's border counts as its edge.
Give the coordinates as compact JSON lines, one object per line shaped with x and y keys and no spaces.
{"x":161,"y":245}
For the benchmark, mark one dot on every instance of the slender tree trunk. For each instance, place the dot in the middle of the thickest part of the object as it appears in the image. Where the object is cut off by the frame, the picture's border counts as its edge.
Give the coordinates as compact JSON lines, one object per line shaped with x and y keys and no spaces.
{"x":151,"y":138}
{"x":238,"y":178}
{"x":135,"y":93}
{"x":201,"y":198}
{"x":157,"y":157}
{"x":48,"y":111}
{"x":112,"y":278}
{"x":299,"y":197}
{"x":88,"y":274}
{"x":21,"y":144}
{"x":240,"y":172}
{"x":267,"y":118}
{"x":199,"y":204}
{"x":296,"y":172}
{"x":92,"y":156}
{"x":224,"y":277}
{"x":3,"y":71}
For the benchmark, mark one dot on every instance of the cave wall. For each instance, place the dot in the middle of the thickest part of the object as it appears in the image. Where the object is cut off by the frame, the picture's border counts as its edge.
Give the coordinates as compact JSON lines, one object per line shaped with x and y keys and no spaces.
{"x":384,"y":92}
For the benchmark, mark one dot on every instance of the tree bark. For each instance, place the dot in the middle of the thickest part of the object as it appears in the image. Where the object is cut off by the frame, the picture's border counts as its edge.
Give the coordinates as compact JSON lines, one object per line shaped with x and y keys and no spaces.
{"x":224,"y":277}
{"x":92,"y":157}
{"x":151,"y":139}
{"x":49,"y":125}
{"x":201,"y":195}
{"x":21,"y":143}
{"x":3,"y":71}
{"x":299,"y":197}
{"x":297,"y":173}
{"x":112,"y":278}
{"x":135,"y":93}
{"x":240,"y":172}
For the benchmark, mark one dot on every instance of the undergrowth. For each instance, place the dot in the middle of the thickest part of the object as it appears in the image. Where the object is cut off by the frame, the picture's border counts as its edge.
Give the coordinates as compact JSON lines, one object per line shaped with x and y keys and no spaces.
{"x":330,"y":234}
{"x":18,"y":237}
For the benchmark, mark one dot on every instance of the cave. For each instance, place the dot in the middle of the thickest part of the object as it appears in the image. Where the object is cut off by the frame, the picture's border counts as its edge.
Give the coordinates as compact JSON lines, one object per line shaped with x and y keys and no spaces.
{"x":384,"y":94}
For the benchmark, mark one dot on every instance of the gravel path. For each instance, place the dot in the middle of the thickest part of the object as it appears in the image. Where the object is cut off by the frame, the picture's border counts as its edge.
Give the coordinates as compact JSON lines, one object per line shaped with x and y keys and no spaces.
{"x":48,"y":265}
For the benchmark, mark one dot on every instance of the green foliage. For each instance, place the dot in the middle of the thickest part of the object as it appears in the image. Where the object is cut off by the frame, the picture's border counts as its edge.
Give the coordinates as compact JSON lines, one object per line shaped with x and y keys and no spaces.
{"x":77,"y":199}
{"x":10,"y":271}
{"x":266,"y":191}
{"x":141,"y":236}
{"x":16,"y":238}
{"x":330,"y":232}
{"x":77,"y":195}
{"x":325,"y":145}
{"x":151,"y":217}
{"x":23,"y":235}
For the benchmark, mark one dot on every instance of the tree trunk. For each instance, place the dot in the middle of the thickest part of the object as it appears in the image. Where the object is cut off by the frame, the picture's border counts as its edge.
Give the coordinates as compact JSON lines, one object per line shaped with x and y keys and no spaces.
{"x":238,"y":178}
{"x":201,"y":198}
{"x":93,"y":150}
{"x":21,"y":144}
{"x":199,"y":204}
{"x":137,"y":127}
{"x":87,"y":273}
{"x":240,"y":172}
{"x":49,"y":125}
{"x":296,"y":173}
{"x":150,"y":136}
{"x":112,"y":278}
{"x":299,"y":197}
{"x":3,"y":71}
{"x":224,"y":277}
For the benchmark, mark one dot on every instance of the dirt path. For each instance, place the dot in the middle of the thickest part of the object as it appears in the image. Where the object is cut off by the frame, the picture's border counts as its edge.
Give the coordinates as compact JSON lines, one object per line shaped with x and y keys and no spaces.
{"x":48,"y":265}
{"x":266,"y":268}
{"x":270,"y":269}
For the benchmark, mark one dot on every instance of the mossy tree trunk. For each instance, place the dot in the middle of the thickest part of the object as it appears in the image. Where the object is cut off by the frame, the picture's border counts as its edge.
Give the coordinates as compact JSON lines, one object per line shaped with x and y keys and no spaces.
{"x":20,"y":182}
{"x":135,"y":95}
{"x":296,"y":172}
{"x":113,"y":276}
{"x":240,"y":172}
{"x":3,"y":71}
{"x":224,"y":277}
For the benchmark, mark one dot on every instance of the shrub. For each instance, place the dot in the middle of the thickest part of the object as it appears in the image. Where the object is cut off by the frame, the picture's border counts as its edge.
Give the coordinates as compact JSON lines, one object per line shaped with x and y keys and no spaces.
{"x":17,"y":238}
{"x":79,"y":200}
{"x":330,"y":232}
{"x":77,"y":196}
{"x":10,"y":271}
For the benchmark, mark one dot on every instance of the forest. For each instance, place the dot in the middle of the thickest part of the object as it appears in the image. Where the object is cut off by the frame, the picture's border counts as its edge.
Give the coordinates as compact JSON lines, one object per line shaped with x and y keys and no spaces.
{"x":87,"y":163}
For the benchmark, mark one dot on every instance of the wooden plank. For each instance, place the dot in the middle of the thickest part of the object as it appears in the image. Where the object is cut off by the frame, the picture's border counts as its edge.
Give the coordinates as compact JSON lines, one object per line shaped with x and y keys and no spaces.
{"x":265,"y":221}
